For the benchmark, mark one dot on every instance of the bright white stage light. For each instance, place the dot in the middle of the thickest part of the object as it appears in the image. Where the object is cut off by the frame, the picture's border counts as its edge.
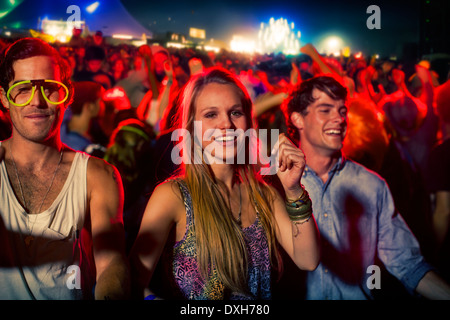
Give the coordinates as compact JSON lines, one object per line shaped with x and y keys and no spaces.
{"x":92,"y":7}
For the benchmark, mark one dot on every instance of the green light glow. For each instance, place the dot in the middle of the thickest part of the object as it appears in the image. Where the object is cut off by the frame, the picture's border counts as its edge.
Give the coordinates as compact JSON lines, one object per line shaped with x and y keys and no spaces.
{"x":8,"y":6}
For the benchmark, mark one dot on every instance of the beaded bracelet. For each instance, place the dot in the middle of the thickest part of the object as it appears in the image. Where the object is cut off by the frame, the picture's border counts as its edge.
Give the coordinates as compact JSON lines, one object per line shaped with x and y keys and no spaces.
{"x":298,"y":207}
{"x":302,"y":198}
{"x":302,"y":218}
{"x":299,"y":211}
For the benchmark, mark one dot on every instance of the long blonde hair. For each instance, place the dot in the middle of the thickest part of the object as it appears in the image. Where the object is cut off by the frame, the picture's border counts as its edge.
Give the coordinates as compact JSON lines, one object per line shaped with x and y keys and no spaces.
{"x":220,"y":241}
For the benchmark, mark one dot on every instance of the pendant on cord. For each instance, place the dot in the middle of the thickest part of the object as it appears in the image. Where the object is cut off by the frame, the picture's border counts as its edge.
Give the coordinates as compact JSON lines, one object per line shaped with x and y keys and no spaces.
{"x":28,"y":240}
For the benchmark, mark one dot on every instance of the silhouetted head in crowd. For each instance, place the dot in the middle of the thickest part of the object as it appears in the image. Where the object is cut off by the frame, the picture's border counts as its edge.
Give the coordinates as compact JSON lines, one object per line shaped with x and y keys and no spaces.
{"x":160,"y":55}
{"x":87,"y":94}
{"x":129,"y":150}
{"x":98,"y":38}
{"x":94,"y":58}
{"x":367,"y":140}
{"x":404,"y":114}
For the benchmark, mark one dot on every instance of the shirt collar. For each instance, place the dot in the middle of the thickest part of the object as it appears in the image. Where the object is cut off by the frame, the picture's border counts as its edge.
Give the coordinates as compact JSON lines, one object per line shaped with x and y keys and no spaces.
{"x":341,"y":163}
{"x":337,"y":167}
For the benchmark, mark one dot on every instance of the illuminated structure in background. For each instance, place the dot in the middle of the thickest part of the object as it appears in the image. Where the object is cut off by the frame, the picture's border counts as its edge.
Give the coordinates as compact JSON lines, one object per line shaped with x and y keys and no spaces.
{"x":197,"y":33}
{"x":51,"y":19}
{"x":176,"y":40}
{"x":196,"y":39}
{"x":278,"y":36}
{"x":57,"y":30}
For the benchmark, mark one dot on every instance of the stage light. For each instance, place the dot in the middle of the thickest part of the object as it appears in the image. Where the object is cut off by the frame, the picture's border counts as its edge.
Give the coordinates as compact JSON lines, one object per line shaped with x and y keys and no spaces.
{"x":7,"y":8}
{"x":92,"y":7}
{"x":211,"y":48}
{"x":242,"y":44}
{"x":331,"y":45}
{"x":122,"y":36}
{"x":175,"y":45}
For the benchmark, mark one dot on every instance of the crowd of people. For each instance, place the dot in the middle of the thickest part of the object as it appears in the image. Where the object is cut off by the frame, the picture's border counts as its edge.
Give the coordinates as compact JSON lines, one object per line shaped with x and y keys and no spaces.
{"x":88,"y":177}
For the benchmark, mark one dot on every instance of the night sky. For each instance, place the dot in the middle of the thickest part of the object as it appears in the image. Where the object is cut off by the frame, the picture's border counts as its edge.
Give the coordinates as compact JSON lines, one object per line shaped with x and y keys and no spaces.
{"x":315,"y":19}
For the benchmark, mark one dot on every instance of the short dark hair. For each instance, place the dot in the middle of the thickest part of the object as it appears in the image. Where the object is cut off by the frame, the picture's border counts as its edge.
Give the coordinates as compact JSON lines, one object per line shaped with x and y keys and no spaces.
{"x":27,"y":48}
{"x":302,"y":97}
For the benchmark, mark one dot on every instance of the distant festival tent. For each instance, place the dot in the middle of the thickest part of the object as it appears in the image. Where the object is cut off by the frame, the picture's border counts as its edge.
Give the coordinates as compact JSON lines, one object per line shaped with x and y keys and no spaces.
{"x":108,"y":16}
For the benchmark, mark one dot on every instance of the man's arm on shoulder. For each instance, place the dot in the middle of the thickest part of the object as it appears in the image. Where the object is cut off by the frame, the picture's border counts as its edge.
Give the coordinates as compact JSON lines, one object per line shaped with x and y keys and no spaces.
{"x":433,"y":287}
{"x":164,"y":210}
{"x":105,"y":193}
{"x":441,"y":216}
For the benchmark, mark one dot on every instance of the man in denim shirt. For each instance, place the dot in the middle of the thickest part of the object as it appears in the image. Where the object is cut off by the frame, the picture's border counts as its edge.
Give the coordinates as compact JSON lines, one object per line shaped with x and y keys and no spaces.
{"x":353,"y":206}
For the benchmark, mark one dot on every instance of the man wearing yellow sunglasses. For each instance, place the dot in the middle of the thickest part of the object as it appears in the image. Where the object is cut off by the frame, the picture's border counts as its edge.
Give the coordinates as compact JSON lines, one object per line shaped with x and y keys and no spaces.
{"x":61,"y":227}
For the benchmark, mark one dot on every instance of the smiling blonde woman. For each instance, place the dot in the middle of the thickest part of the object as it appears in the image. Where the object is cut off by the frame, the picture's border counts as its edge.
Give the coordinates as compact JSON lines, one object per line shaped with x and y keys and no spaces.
{"x":215,"y":226}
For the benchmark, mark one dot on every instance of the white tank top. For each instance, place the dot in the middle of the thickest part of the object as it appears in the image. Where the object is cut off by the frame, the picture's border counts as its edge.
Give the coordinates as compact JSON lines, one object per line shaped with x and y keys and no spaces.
{"x":58,"y":263}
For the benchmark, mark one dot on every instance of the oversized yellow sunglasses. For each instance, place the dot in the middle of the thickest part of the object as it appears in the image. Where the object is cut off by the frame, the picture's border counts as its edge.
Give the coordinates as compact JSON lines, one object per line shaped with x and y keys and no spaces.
{"x":21,"y":93}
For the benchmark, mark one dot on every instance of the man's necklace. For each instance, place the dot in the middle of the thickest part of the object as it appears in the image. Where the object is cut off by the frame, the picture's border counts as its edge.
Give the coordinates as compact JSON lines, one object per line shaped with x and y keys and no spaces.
{"x":29,"y":238}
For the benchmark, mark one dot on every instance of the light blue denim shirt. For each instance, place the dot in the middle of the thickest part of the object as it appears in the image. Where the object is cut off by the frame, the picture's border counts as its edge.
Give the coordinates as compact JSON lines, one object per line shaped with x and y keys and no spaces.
{"x":357,"y":220}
